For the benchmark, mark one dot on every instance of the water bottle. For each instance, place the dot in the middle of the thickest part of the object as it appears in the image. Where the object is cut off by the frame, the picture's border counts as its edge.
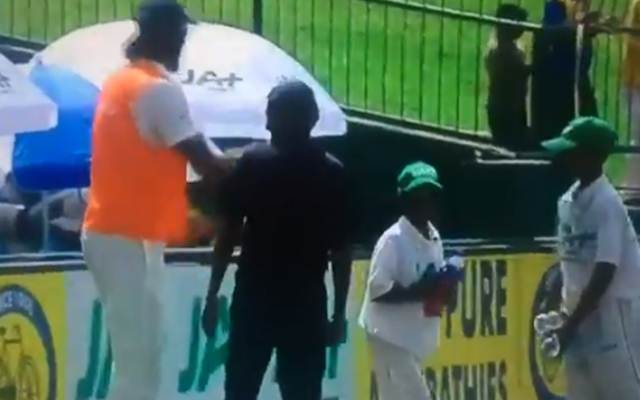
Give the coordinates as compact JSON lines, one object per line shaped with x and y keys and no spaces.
{"x":555,"y":320}
{"x":544,"y":325}
{"x":541,"y":325}
{"x":551,"y":346}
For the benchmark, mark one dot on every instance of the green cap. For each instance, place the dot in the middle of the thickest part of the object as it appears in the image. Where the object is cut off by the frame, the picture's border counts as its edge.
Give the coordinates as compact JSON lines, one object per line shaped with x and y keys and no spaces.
{"x":584,"y":132}
{"x":416,"y":175}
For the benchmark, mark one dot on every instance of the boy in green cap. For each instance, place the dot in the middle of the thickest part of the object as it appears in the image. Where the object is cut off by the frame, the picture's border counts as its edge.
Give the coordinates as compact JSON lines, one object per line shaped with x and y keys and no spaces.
{"x":600,"y":261}
{"x":402,"y":305}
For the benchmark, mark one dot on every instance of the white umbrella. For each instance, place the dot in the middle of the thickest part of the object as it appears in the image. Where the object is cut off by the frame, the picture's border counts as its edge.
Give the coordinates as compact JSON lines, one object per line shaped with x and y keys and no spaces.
{"x":23,"y":107}
{"x":226,"y":75}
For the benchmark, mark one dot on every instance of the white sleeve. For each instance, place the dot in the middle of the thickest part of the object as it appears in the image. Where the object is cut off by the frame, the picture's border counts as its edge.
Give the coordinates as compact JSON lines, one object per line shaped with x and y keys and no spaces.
{"x":383,"y":268}
{"x":162,"y":115}
{"x":611,"y":234}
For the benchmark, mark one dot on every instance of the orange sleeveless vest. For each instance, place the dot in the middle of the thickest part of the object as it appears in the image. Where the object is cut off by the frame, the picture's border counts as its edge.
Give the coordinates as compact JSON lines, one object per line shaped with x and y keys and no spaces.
{"x":137,"y":190}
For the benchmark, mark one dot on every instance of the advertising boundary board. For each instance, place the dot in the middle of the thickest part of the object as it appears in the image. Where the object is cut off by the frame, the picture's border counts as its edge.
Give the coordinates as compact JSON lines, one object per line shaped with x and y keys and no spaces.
{"x":487,"y":346}
{"x":33,"y":334}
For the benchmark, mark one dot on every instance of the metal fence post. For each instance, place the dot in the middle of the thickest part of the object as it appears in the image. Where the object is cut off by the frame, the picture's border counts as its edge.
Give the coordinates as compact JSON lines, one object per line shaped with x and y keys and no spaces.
{"x":258,"y":16}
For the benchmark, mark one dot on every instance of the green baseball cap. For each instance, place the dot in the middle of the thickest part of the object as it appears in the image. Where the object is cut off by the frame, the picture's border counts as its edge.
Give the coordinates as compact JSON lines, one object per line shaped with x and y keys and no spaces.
{"x":416,"y":175}
{"x":583,"y":132}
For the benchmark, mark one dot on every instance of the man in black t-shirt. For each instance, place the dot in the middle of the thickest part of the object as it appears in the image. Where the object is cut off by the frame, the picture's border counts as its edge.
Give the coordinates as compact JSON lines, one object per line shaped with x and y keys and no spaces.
{"x":508,"y":75}
{"x":286,"y":203}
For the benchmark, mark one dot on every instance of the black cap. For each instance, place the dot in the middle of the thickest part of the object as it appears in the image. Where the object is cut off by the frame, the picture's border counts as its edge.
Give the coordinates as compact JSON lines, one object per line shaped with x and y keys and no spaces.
{"x":154,"y":14}
{"x":512,"y":12}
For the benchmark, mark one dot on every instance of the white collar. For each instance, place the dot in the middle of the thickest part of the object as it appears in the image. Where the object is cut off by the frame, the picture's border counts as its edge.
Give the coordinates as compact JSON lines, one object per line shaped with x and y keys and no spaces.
{"x":585,"y":196}
{"x":407,"y":228}
{"x":587,"y":193}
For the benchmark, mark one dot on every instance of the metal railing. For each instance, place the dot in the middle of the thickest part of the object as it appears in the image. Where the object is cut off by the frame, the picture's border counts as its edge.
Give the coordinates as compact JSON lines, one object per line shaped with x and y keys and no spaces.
{"x":418,"y":60}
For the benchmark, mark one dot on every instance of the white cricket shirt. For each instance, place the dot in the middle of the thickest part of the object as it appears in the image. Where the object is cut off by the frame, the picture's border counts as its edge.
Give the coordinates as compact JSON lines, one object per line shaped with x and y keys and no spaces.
{"x":401,"y":256}
{"x":162,"y":112}
{"x":163,"y":117}
{"x":593,"y":227}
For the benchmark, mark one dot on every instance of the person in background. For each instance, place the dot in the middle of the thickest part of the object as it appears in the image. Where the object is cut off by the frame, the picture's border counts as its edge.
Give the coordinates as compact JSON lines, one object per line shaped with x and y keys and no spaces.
{"x":556,"y":74}
{"x":20,"y":232}
{"x":577,"y":10}
{"x":66,"y":226}
{"x":508,"y":81}
{"x":630,"y":91}
{"x":403,"y":300}
{"x":631,"y":73}
{"x":600,"y":262}
{"x":287,"y":204}
{"x":143,"y":138}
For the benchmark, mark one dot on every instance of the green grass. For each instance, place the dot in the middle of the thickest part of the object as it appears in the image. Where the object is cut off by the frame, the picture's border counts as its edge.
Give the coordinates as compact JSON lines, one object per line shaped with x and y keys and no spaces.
{"x":384,"y":59}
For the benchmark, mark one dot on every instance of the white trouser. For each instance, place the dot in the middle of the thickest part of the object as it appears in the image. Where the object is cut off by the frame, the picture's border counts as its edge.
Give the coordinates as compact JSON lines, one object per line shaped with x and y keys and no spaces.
{"x":398,"y":372}
{"x":604,"y":362}
{"x":128,"y":276}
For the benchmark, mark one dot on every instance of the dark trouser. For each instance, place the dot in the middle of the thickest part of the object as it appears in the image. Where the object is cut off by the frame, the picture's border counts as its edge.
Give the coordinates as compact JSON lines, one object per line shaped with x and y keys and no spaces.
{"x":508,"y":127}
{"x":588,"y":101}
{"x":299,"y":346}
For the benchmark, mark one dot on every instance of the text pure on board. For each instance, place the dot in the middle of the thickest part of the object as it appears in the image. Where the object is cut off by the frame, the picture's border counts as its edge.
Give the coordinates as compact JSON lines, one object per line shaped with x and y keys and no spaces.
{"x":481,"y":313}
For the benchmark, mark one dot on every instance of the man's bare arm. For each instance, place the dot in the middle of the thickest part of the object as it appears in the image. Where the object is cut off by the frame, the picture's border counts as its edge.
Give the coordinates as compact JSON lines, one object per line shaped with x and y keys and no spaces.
{"x":399,"y":294}
{"x":221,"y":258}
{"x":229,"y":234}
{"x":600,"y":281}
{"x":341,"y":271}
{"x":204,"y":159}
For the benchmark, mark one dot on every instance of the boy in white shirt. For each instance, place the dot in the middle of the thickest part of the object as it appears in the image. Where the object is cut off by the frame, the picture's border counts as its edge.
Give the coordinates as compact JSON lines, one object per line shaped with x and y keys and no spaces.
{"x":600,"y":260}
{"x":402,"y":305}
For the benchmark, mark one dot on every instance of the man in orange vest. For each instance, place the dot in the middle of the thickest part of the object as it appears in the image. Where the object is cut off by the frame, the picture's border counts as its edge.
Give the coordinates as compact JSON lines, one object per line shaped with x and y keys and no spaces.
{"x":143,"y":138}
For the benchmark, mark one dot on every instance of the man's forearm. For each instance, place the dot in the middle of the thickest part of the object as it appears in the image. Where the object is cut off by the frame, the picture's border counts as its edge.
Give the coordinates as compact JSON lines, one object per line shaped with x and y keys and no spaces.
{"x":204,"y":160}
{"x":222,"y":254}
{"x":399,"y":294}
{"x":600,"y":281}
{"x":341,"y":271}
{"x":218,"y":270}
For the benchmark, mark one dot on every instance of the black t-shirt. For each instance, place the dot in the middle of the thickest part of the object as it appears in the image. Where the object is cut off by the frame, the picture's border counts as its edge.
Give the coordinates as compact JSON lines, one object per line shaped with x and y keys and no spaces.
{"x":295,"y":207}
{"x":508,"y":79}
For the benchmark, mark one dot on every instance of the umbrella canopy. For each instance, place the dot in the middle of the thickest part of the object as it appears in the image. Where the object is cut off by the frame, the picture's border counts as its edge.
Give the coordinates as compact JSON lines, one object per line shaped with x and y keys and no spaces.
{"x":58,"y":158}
{"x":226,"y":74}
{"x":23,"y":108}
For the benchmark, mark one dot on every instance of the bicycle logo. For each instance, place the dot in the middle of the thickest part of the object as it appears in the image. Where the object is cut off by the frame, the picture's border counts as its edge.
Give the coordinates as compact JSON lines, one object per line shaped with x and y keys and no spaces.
{"x":28,"y":369}
{"x":19,"y":378}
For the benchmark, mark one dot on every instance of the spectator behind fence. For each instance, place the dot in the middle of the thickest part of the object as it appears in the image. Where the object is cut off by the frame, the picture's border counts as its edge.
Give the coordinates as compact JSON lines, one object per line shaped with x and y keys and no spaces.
{"x":554,"y":70}
{"x":576,"y":9}
{"x":631,"y":73}
{"x":508,"y":80}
